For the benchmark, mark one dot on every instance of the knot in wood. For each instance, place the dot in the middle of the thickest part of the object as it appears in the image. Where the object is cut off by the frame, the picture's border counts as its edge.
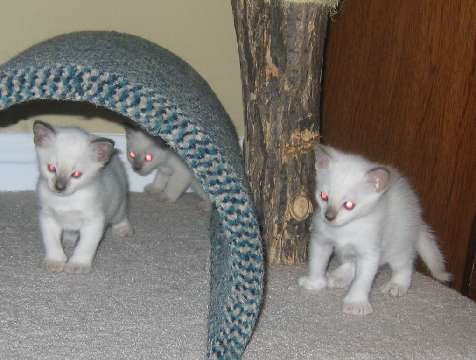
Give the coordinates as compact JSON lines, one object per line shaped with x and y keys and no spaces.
{"x":301,"y":142}
{"x":301,"y":207}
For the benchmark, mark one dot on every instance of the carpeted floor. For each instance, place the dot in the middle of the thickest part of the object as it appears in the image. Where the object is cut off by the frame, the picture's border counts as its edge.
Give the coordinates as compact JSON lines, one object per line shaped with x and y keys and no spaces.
{"x":147,"y":298}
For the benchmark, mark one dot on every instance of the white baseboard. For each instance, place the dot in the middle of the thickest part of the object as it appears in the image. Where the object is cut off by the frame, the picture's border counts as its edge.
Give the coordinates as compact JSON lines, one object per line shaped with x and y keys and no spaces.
{"x":19,"y":169}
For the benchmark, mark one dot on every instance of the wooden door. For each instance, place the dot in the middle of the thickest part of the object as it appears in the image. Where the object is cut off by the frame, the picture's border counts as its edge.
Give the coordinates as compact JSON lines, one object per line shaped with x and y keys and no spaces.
{"x":400,"y":88}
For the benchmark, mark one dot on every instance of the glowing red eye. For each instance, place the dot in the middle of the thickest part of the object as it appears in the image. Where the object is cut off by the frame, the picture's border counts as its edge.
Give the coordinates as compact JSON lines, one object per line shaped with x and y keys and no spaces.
{"x":51,"y":168}
{"x":76,"y":174}
{"x":324,"y":196}
{"x":148,"y":157}
{"x":132,"y":154}
{"x":349,"y":205}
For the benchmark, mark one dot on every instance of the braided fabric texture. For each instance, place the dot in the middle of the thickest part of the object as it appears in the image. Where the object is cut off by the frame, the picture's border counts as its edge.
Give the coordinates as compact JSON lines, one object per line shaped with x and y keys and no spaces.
{"x":165,"y":96}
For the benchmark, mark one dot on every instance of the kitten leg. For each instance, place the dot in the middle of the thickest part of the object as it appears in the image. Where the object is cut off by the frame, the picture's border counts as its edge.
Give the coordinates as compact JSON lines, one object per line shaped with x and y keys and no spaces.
{"x":178,"y":184}
{"x":120,"y":223}
{"x":342,"y":276}
{"x":159,"y":183}
{"x":122,"y":228}
{"x":318,"y":260}
{"x":55,"y":257}
{"x":400,"y":281}
{"x":356,"y":302}
{"x":82,"y":258}
{"x":205,"y":203}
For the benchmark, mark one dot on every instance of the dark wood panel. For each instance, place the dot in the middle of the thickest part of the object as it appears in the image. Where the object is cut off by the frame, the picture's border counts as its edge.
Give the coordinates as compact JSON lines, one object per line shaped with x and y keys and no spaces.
{"x":472,"y":281}
{"x":469,"y":282}
{"x":400,"y":88}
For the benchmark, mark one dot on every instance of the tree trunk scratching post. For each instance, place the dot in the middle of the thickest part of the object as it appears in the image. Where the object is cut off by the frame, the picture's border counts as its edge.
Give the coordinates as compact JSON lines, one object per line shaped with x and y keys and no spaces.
{"x":281,"y":45}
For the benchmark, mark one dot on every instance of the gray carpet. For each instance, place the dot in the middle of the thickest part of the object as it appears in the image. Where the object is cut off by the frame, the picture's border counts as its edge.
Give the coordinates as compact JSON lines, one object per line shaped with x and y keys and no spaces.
{"x":147,"y":298}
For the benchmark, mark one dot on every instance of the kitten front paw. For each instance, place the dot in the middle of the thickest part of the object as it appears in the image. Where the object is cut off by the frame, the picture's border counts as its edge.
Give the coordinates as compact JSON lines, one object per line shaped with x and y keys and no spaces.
{"x":77,"y":268}
{"x":312,"y":284}
{"x":338,"y":282}
{"x":54,"y":266}
{"x":122,"y":229}
{"x":164,"y":197}
{"x":357,"y":308}
{"x":152,"y":189}
{"x":341,"y":277}
{"x":394,"y":289}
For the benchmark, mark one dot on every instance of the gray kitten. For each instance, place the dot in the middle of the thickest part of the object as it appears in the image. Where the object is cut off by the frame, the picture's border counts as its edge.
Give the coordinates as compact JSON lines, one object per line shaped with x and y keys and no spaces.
{"x":82,"y":188}
{"x":173,"y":177}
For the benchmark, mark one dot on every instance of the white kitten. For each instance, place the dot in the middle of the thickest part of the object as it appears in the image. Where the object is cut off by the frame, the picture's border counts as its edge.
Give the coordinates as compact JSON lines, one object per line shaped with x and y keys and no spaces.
{"x":173,"y":177}
{"x":82,"y":188}
{"x":370,"y":216}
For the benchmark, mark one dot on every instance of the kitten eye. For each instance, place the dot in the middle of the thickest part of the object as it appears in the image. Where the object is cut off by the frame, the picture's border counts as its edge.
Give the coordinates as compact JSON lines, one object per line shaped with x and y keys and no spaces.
{"x":349,"y":205}
{"x":132,"y":154}
{"x":324,"y":196}
{"x":51,"y":168}
{"x":148,"y":157}
{"x":77,"y":174}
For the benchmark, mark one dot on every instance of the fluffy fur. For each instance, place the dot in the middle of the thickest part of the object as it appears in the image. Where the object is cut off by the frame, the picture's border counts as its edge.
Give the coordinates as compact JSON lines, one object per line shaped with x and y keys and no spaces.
{"x":82,"y":188}
{"x":173,"y":177}
{"x":370,"y":216}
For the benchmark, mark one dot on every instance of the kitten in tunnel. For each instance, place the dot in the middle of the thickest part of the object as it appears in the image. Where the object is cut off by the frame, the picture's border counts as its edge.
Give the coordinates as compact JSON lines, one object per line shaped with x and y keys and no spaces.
{"x":173,"y":177}
{"x":82,"y":189}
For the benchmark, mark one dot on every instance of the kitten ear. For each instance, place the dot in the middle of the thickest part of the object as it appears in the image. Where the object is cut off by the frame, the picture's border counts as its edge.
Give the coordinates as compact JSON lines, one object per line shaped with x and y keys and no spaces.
{"x":322,"y":157}
{"x":378,"y":178}
{"x":43,"y":133}
{"x":132,"y":130}
{"x":129,"y":131}
{"x":103,"y":148}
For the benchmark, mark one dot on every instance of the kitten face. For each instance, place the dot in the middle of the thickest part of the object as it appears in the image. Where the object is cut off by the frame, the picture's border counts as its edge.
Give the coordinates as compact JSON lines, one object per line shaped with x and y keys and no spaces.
{"x":143,"y":152}
{"x":69,"y":158}
{"x":347,"y":186}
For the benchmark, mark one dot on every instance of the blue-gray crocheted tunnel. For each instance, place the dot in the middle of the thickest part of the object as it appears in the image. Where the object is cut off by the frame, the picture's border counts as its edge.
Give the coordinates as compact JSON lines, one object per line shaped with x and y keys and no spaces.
{"x":167,"y":97}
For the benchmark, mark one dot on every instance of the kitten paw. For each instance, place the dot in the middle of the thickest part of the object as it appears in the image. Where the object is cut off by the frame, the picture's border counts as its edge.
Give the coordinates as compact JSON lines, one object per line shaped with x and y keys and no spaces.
{"x":77,"y":268}
{"x":122,"y":229}
{"x":341,"y":277}
{"x":54,"y":266}
{"x":357,"y":308}
{"x":393,"y":289}
{"x":312,"y":284}
{"x":164,"y":197}
{"x":151,"y":189}
{"x":337,"y":282}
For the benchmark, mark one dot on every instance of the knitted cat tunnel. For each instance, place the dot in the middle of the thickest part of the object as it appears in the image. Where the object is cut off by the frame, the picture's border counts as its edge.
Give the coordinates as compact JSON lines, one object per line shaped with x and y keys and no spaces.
{"x":168,"y":98}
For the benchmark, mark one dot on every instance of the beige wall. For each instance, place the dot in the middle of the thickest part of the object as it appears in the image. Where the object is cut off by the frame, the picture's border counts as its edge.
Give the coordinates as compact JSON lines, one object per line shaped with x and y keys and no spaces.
{"x":199,"y":31}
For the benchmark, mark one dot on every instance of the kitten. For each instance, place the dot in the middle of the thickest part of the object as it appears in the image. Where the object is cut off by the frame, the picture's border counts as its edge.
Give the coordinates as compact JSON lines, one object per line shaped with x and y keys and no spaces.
{"x":370,"y":216}
{"x":82,"y":188}
{"x":173,"y":177}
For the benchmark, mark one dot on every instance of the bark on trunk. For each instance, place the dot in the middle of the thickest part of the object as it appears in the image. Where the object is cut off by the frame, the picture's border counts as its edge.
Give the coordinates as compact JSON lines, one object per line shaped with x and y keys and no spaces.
{"x":281,"y":46}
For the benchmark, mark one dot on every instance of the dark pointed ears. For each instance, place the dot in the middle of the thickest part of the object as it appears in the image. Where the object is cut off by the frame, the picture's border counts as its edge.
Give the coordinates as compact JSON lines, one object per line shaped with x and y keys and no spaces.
{"x":323,"y":157}
{"x":43,"y":133}
{"x":378,"y":178}
{"x":103,"y":148}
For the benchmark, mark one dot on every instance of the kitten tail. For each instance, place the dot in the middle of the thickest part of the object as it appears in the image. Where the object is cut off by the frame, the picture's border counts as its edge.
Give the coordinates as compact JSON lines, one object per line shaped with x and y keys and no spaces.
{"x":430,"y":253}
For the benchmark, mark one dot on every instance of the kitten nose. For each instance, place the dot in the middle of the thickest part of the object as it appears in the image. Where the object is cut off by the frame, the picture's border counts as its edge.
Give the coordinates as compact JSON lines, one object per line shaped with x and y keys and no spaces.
{"x":330,"y":214}
{"x":60,"y":185}
{"x":136,"y":165}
